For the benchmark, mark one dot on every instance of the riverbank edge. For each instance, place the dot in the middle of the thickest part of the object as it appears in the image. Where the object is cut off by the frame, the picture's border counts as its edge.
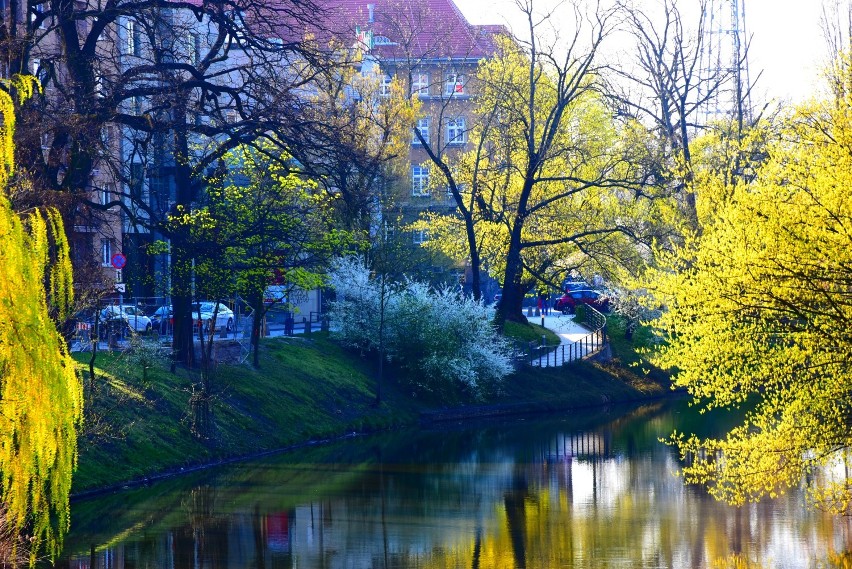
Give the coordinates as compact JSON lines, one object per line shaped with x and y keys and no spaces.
{"x":549,"y":390}
{"x":426,"y":420}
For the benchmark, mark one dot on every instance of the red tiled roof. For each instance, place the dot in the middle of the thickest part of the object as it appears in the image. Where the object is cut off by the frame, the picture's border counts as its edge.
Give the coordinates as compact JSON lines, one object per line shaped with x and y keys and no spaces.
{"x":411,"y":28}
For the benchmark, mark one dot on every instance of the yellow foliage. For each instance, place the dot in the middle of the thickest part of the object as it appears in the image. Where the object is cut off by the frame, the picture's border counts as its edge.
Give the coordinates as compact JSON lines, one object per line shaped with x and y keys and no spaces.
{"x":758,"y":312}
{"x":559,"y":193}
{"x":40,"y":395}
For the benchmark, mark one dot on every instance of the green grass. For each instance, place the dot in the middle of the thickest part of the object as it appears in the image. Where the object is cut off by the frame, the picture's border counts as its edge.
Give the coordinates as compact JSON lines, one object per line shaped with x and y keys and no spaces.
{"x":529,"y":333}
{"x":306,"y":389}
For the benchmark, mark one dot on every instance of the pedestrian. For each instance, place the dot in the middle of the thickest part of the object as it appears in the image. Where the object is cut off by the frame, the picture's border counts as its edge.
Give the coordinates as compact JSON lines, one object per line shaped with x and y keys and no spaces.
{"x":547,"y":305}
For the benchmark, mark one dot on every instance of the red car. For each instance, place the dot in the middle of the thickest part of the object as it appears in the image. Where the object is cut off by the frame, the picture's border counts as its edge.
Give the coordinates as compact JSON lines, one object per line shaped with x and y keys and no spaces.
{"x":569,"y":301}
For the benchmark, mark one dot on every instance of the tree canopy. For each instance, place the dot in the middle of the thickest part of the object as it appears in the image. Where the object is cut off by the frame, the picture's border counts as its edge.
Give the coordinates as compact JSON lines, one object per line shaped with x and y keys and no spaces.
{"x":758,"y":309}
{"x":41,"y":397}
{"x":545,"y":179}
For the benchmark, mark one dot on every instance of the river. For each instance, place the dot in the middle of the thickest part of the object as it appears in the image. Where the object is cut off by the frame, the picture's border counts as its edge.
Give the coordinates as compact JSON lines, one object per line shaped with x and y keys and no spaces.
{"x":591,"y":489}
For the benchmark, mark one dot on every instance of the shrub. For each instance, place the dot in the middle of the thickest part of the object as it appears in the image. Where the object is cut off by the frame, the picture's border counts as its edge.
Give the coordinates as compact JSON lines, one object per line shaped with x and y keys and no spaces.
{"x":444,"y":342}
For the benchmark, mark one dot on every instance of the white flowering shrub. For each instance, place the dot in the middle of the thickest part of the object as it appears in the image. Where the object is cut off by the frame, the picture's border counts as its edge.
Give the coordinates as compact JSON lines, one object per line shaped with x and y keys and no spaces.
{"x":356,"y":312}
{"x":445,"y":342}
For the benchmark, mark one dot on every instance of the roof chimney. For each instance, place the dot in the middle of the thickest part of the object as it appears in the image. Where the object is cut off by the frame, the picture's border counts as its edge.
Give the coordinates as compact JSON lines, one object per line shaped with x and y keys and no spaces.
{"x":371,"y":8}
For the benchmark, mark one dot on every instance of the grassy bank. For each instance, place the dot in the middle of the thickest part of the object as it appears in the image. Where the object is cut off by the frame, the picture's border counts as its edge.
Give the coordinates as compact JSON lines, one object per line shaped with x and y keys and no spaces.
{"x":305,"y":390}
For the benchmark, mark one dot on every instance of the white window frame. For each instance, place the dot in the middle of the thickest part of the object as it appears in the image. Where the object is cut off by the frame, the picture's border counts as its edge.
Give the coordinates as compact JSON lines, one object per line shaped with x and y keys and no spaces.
{"x":194,"y":48}
{"x":419,"y":181}
{"x":420,"y":236}
{"x":130,"y":38}
{"x":423,"y":128}
{"x":106,"y":252}
{"x":454,"y":84}
{"x":104,"y":196}
{"x":420,"y":84}
{"x":389,"y":231}
{"x":385,"y":85}
{"x":457,"y":131}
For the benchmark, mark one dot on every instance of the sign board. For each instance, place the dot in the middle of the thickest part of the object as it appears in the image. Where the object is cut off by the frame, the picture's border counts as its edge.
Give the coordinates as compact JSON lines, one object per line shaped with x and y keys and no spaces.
{"x":118,"y":261}
{"x":119,"y":287}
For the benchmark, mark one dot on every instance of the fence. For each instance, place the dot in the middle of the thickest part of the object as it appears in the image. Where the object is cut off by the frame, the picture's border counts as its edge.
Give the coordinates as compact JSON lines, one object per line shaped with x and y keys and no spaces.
{"x":114,"y":324}
{"x":591,"y":343}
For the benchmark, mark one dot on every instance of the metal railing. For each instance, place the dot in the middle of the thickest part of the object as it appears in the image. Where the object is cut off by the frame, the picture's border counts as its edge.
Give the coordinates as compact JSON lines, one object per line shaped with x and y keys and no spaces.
{"x":588,"y":345}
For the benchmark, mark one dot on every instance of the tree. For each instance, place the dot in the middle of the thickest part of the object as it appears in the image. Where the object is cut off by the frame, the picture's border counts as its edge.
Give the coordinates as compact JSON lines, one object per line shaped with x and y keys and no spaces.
{"x":836,"y":24}
{"x":547,"y":170}
{"x":668,"y":88}
{"x":41,"y":396}
{"x":152,"y":96}
{"x":265,"y":222}
{"x":757,"y":311}
{"x":360,"y":141}
{"x":435,"y":56}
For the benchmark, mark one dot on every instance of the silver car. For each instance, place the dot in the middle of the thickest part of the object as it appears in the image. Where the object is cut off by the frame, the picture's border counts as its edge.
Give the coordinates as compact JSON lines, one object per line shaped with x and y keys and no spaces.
{"x":224,"y":315}
{"x":132,"y":316}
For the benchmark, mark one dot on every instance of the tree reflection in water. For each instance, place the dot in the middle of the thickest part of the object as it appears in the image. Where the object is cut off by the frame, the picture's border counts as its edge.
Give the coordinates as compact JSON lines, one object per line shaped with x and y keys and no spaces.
{"x":586,"y":491}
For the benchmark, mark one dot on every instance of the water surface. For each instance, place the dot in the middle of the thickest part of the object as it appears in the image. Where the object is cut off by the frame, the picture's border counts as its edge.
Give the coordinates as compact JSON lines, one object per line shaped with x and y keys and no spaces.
{"x":578,"y":490}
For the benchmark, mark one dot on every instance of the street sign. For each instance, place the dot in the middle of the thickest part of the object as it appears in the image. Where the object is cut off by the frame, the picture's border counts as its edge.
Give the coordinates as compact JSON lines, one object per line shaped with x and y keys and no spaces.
{"x":118,"y":261}
{"x":119,"y":287}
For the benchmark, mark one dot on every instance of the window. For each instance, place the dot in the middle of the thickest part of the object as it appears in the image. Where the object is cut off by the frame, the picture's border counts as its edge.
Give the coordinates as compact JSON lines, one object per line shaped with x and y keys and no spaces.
{"x":456,"y":131}
{"x":194,"y":48}
{"x":106,"y":252}
{"x":137,"y":181}
{"x":454,"y":84}
{"x":389,"y":231}
{"x":423,"y":129}
{"x":37,"y":14}
{"x":420,"y":236}
{"x":136,"y":105}
{"x":39,"y":69}
{"x":419,"y":181}
{"x":132,"y":39}
{"x":385,"y":85}
{"x":420,"y":84}
{"x":104,"y":196}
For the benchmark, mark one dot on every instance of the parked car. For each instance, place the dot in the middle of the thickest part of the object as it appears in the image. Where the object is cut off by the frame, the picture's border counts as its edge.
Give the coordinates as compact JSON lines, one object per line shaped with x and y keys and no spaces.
{"x":134,"y":318}
{"x":163,"y":319}
{"x":224,"y":315}
{"x":576,"y":285}
{"x":570,"y":300}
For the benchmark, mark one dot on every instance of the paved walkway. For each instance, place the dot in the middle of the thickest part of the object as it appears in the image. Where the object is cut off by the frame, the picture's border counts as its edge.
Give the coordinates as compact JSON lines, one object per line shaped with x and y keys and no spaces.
{"x":572,"y":338}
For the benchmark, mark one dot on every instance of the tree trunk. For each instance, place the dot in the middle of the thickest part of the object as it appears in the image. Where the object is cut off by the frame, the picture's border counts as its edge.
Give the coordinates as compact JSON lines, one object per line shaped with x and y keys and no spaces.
{"x":183,"y":342}
{"x":256,"y":301}
{"x":475,"y":261}
{"x":181,"y":268}
{"x":511,"y":304}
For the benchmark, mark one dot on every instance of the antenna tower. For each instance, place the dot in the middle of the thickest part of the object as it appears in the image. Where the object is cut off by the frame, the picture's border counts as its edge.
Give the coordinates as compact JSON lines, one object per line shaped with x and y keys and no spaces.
{"x":724,"y":63}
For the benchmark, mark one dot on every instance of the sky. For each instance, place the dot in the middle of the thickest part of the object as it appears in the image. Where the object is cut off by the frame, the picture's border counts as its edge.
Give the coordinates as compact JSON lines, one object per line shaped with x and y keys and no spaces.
{"x":786,"y":41}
